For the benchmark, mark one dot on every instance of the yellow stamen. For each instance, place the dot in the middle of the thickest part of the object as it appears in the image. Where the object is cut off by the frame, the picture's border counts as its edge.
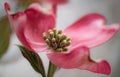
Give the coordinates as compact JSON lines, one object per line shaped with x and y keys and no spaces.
{"x":56,"y":40}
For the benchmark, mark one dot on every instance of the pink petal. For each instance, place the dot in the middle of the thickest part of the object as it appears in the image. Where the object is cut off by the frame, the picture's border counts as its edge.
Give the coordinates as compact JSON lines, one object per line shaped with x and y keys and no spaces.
{"x":91,"y":31}
{"x":38,"y":22}
{"x":30,"y":25}
{"x":101,"y":67}
{"x":20,"y":31}
{"x":79,"y":58}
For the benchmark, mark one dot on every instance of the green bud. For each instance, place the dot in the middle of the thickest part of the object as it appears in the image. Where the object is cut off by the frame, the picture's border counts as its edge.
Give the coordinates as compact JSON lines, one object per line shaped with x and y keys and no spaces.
{"x":54,"y":45}
{"x":60,"y":32}
{"x":51,"y":34}
{"x":64,"y":36}
{"x":44,"y":36}
{"x":47,"y":41}
{"x":65,"y":49}
{"x":68,"y":43}
{"x":57,"y":40}
{"x":63,"y":43}
{"x":68,"y":39}
{"x":59,"y":36}
{"x":54,"y":30}
{"x":53,"y":40}
{"x":59,"y":49}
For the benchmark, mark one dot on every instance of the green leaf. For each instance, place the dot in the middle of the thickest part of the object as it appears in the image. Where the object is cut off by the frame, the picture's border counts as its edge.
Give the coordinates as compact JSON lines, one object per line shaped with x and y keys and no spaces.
{"x":34,"y":60}
{"x":52,"y":69}
{"x":5,"y":33}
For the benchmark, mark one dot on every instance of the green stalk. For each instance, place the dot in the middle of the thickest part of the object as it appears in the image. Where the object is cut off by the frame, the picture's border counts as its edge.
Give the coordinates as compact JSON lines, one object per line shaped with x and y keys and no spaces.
{"x":51,"y":70}
{"x":43,"y":75}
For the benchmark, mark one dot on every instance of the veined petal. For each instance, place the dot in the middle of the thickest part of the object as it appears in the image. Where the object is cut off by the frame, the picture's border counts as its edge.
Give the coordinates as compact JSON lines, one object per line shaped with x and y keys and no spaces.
{"x":91,"y":31}
{"x":68,"y":60}
{"x":79,"y":57}
{"x":38,"y":21}
{"x":30,"y":25}
{"x":101,"y":66}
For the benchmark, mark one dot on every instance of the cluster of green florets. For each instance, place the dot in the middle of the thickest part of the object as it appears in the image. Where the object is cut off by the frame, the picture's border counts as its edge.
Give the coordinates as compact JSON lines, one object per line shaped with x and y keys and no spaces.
{"x":56,"y":40}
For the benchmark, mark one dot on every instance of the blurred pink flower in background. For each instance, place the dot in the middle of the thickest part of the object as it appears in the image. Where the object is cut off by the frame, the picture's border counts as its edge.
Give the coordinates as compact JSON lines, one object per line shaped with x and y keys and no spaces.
{"x":56,"y":1}
{"x":89,"y":31}
{"x":50,"y":1}
{"x":27,"y":0}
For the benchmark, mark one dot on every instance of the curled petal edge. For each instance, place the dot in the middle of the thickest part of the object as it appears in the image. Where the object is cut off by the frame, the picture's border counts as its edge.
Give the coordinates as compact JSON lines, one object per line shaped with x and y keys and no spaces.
{"x":79,"y":58}
{"x":91,"y":31}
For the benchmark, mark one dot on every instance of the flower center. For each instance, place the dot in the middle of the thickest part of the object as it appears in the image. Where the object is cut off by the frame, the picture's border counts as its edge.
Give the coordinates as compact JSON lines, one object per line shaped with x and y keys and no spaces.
{"x":56,"y":40}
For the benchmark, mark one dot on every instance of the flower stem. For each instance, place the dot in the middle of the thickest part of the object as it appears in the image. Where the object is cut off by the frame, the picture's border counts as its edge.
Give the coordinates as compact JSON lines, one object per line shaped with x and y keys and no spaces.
{"x":44,"y":75}
{"x":51,"y":70}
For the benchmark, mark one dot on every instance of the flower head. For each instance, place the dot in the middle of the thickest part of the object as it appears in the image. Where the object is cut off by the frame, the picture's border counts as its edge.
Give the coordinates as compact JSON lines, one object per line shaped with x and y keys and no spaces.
{"x":56,"y":40}
{"x":67,"y":48}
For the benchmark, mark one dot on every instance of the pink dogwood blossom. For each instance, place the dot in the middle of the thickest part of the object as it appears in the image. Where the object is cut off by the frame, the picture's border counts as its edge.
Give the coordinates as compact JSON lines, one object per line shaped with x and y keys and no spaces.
{"x":35,"y":29}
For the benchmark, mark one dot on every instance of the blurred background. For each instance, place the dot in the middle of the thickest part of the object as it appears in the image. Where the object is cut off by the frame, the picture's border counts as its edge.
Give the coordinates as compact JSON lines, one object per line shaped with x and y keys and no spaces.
{"x":13,"y":64}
